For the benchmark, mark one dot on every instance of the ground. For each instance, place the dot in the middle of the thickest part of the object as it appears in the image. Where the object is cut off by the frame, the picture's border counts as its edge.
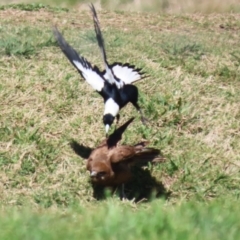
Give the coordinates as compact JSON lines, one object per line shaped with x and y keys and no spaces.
{"x":191,"y":97}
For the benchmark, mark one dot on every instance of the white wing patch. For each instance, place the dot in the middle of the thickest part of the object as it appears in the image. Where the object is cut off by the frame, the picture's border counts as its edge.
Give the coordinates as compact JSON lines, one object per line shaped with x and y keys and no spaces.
{"x":92,"y":77}
{"x":126,"y":74}
{"x":109,"y":75}
{"x":111,"y":107}
{"x":111,"y":79}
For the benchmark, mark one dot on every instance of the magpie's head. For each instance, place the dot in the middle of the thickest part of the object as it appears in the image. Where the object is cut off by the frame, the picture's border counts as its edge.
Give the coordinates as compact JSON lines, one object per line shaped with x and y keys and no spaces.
{"x":107,"y":121}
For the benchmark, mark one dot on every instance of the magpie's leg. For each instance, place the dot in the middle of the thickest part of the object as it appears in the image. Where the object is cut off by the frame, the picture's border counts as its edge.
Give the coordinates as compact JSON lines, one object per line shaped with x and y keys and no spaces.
{"x":117,"y":118}
{"x":143,"y":119}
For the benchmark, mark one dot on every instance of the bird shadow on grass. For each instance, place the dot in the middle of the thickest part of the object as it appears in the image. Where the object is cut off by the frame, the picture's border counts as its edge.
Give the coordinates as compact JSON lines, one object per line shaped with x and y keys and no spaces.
{"x":80,"y":150}
{"x":142,"y":187}
{"x":145,"y":187}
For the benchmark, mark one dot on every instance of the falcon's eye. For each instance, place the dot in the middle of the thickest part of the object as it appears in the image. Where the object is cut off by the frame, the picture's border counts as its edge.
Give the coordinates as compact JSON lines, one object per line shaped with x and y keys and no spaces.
{"x":101,"y":174}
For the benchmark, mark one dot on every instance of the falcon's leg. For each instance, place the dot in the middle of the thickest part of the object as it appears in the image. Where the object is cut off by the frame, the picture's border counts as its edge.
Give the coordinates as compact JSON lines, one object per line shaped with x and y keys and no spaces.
{"x":123,"y":195}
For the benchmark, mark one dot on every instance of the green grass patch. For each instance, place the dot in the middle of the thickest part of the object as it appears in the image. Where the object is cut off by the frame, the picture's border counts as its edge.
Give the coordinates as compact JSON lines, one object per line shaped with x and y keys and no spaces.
{"x":24,"y":41}
{"x":121,"y":221}
{"x":33,"y":7}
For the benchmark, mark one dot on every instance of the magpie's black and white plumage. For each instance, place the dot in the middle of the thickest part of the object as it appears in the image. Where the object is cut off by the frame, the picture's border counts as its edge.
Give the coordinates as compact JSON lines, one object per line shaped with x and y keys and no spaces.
{"x":113,"y":84}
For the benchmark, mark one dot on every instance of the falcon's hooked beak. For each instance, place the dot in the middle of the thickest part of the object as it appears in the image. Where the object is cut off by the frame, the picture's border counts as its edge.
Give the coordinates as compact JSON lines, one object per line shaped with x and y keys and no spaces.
{"x":93,"y":174}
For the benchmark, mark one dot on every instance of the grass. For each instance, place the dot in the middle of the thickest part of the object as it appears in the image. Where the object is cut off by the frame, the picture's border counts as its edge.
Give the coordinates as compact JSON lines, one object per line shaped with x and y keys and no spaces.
{"x":191,"y":98}
{"x":163,"y":6}
{"x":115,"y":221}
{"x":31,"y":7}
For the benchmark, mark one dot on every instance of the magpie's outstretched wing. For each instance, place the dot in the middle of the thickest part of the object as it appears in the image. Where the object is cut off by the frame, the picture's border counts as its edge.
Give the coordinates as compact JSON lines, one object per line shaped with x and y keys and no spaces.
{"x":117,"y":73}
{"x":127,"y":73}
{"x":90,"y":74}
{"x":109,"y":76}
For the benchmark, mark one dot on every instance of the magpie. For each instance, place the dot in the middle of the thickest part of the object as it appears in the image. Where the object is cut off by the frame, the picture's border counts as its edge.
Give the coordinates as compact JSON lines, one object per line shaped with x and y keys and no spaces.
{"x":122,"y":75}
{"x":113,"y":84}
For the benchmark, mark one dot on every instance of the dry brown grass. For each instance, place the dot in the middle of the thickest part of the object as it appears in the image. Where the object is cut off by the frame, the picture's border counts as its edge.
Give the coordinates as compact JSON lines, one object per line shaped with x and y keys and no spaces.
{"x":43,"y":93}
{"x":166,"y":6}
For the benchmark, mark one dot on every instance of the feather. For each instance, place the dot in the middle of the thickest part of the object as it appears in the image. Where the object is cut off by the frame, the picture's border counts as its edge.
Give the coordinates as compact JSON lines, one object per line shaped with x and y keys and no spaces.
{"x":89,"y":73}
